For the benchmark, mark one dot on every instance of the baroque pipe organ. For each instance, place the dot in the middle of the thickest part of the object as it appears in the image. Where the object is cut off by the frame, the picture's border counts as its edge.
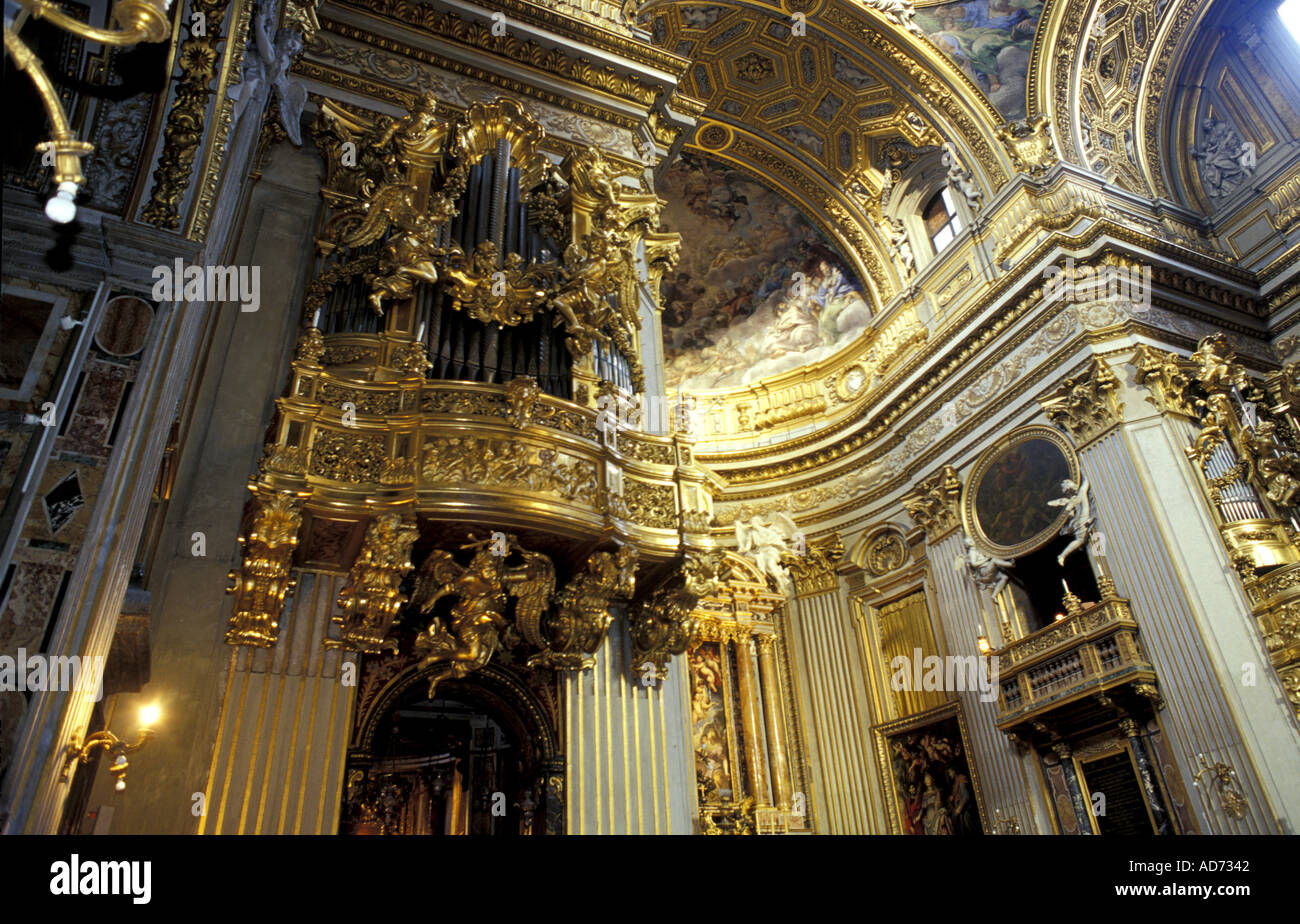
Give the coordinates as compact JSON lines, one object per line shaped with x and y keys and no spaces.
{"x":474,"y":316}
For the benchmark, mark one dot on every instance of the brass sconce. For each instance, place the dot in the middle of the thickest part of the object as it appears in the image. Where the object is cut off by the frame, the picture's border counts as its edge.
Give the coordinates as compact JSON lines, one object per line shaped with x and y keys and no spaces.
{"x":140,"y":21}
{"x":1225,"y":782}
{"x":1008,"y":825}
{"x":110,"y":742}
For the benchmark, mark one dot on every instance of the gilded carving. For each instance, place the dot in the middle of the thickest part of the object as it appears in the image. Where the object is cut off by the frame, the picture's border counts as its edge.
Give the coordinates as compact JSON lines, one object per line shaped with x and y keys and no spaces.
{"x":263,"y":580}
{"x":1086,"y":405}
{"x":199,"y":59}
{"x":662,"y":624}
{"x":370,"y":600}
{"x":814,"y":571}
{"x":467,"y":638}
{"x":573,"y":631}
{"x":936,"y":503}
{"x":352,"y":458}
{"x":1029,"y":143}
{"x":886,"y":552}
{"x":506,"y":463}
{"x":1168,"y":377}
{"x":521,"y":396}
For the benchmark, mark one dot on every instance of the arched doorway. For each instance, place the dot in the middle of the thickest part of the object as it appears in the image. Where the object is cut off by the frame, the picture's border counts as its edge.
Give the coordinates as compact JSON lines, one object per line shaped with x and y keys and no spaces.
{"x":480,"y":758}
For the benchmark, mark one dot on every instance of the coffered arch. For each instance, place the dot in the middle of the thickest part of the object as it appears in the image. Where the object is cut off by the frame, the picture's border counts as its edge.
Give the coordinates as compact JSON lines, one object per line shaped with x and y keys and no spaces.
{"x":813,"y":116}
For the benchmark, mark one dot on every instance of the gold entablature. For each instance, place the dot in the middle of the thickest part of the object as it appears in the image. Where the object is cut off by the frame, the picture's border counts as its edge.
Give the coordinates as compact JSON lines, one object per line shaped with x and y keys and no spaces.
{"x":1086,"y":405}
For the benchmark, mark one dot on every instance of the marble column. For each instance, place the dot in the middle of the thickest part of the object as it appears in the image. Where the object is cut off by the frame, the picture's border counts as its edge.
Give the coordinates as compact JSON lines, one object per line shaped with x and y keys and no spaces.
{"x":776,"y":747}
{"x":755,"y":760}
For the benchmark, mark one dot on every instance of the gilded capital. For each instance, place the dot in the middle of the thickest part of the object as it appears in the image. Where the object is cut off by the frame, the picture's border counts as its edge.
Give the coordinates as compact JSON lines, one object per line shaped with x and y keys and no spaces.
{"x":936,"y":503}
{"x":1168,"y":377}
{"x":814,"y":571}
{"x":1086,"y":405}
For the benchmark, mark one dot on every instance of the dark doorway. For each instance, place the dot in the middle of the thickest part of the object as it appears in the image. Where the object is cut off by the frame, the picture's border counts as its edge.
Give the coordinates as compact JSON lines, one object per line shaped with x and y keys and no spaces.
{"x":1039,"y":579}
{"x":450,"y":765}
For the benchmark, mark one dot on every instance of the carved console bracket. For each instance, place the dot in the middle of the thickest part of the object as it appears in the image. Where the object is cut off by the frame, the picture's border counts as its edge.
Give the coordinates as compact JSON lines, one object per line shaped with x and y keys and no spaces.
{"x":263,"y":580}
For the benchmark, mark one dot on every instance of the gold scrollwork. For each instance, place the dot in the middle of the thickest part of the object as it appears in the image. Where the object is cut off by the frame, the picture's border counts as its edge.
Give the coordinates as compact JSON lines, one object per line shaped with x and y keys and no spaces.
{"x":370,"y":600}
{"x":263,"y":580}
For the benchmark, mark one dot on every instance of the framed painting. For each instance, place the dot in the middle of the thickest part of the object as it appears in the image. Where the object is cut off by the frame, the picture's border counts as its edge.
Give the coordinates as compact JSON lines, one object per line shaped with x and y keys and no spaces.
{"x":1005,"y":504}
{"x":930,"y":783}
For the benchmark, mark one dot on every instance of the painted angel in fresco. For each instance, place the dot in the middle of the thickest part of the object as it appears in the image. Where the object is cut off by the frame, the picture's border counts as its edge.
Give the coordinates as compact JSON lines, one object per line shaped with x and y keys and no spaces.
{"x":764,"y":543}
{"x":1079,"y":525}
{"x":984,"y":570}
{"x":468,"y":638}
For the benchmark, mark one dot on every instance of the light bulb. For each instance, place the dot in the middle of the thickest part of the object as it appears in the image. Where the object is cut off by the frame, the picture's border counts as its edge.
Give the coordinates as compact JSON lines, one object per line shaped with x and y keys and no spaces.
{"x":120,"y":785}
{"x":148,"y":715}
{"x":61,"y":208}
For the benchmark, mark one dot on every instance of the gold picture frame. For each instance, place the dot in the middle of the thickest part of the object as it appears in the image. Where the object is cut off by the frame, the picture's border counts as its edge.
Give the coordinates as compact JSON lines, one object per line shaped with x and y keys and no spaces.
{"x":1004,"y":502}
{"x":916,"y":727}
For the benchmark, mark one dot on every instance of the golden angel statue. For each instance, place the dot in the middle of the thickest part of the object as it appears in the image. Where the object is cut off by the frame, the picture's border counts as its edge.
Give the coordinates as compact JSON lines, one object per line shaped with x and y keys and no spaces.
{"x":466,"y":640}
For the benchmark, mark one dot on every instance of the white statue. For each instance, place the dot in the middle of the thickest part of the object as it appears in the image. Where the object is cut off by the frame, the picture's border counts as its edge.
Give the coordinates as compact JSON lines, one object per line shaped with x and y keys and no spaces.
{"x":900,"y":248}
{"x":986,"y":571}
{"x":1081,"y":520}
{"x":266,"y":68}
{"x":899,"y":12}
{"x":959,"y":178}
{"x":764,"y":543}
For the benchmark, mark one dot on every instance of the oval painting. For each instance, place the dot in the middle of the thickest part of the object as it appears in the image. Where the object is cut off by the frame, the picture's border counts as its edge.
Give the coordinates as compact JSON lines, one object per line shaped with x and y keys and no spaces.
{"x":1011,"y":499}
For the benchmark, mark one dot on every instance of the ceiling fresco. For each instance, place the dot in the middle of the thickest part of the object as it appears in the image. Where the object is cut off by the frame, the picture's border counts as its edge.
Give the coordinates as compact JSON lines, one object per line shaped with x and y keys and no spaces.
{"x":991,"y":41}
{"x":758,"y":290}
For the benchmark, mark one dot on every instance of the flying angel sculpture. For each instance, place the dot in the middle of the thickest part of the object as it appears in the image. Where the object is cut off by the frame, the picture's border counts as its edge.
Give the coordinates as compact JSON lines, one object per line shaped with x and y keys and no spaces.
{"x":1081,"y":520}
{"x":984,"y":570}
{"x":764,"y":542}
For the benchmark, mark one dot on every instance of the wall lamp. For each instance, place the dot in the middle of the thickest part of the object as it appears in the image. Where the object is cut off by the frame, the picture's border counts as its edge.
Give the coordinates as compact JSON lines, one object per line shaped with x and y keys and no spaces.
{"x":110,"y":742}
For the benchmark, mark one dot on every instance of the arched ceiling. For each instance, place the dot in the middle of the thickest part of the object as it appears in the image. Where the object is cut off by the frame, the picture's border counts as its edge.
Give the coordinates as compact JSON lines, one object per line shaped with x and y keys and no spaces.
{"x":818,"y":115}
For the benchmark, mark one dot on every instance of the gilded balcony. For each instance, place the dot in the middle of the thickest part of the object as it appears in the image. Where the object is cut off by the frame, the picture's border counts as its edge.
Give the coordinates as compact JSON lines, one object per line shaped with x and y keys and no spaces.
{"x":1085,"y":667}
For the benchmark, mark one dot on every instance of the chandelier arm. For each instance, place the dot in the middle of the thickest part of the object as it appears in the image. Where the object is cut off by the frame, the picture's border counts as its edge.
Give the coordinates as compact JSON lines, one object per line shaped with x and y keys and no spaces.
{"x":143,"y":21}
{"x":68,"y":151}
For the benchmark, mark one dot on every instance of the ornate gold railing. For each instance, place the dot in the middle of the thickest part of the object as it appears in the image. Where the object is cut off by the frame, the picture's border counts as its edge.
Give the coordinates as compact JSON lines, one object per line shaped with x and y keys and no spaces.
{"x":1072,"y":664}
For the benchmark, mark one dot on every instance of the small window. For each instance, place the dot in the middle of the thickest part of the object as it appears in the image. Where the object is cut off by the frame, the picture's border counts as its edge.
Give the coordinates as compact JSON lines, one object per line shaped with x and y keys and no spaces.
{"x":942,"y":223}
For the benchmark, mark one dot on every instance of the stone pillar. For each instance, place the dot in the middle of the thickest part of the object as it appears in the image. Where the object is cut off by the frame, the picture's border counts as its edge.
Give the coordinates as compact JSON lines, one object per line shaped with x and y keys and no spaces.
{"x":1147,"y":771}
{"x":1082,"y":807}
{"x":776,"y":746}
{"x":630,"y":762}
